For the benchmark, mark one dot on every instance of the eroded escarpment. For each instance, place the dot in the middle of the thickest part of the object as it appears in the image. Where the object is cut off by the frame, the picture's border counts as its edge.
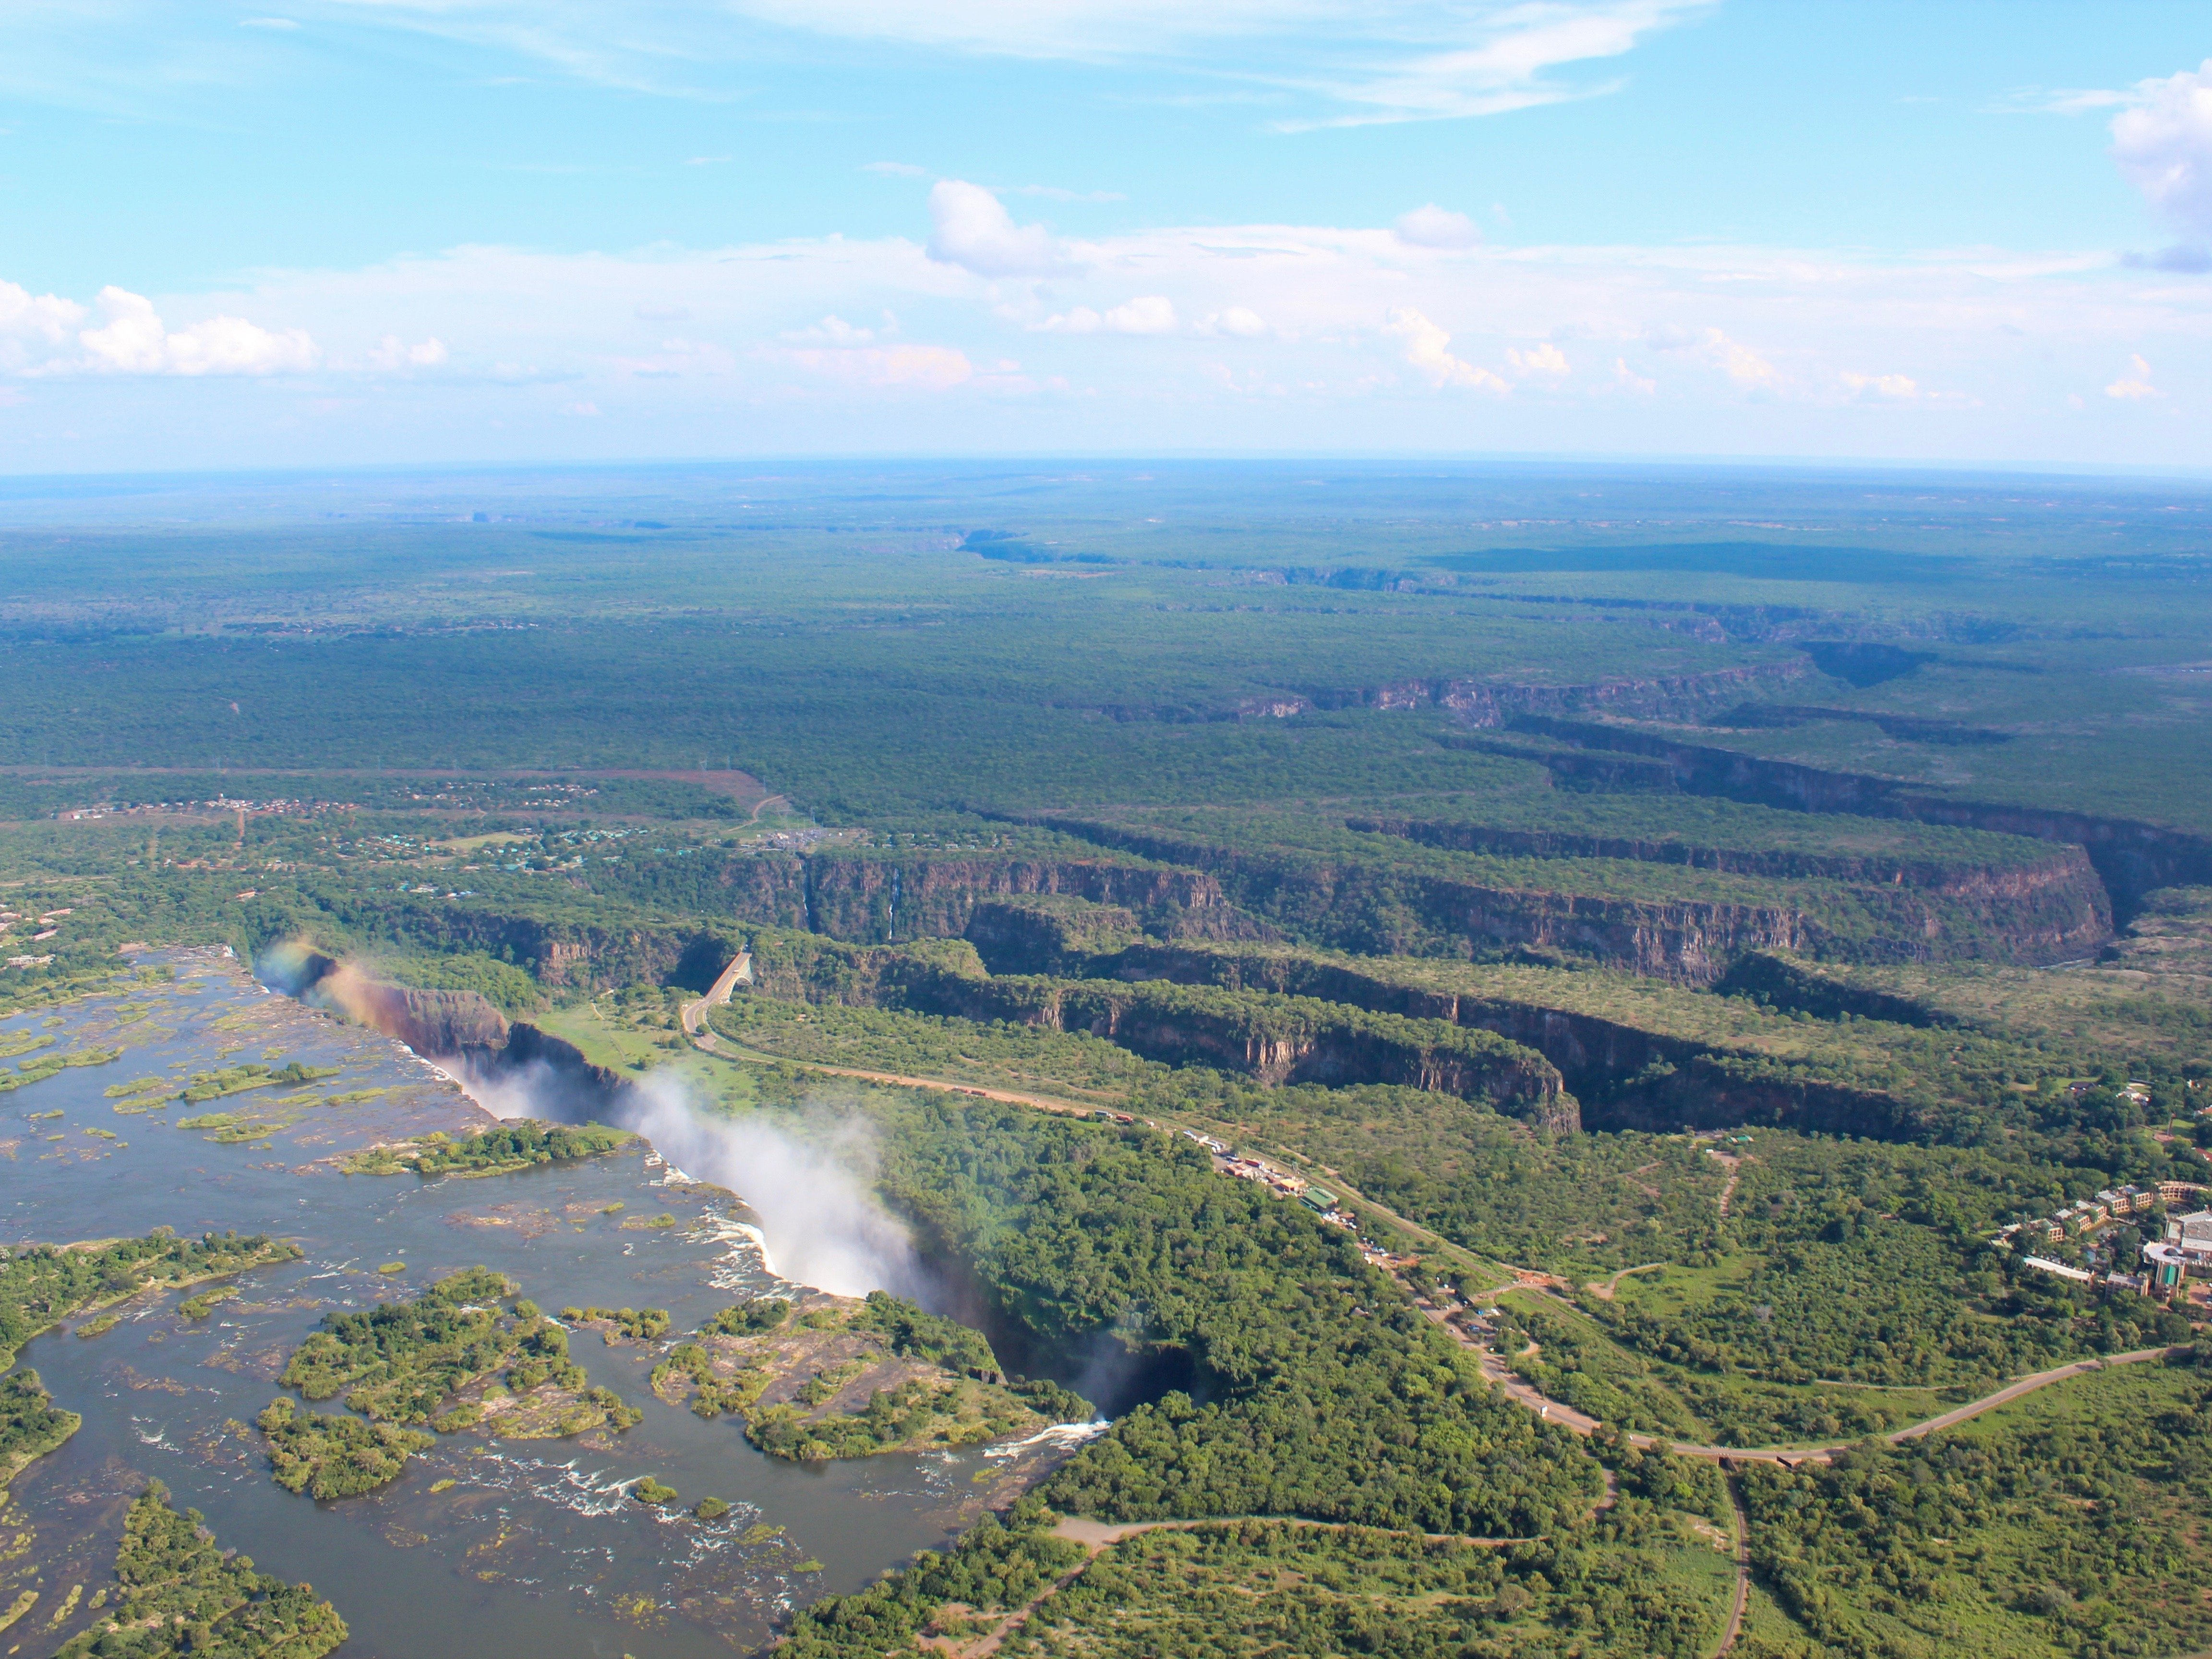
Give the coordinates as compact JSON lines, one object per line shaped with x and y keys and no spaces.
{"x":462,"y":1029}
{"x":877,"y":900}
{"x":1356,"y":905}
{"x":1484,"y":702}
{"x":2132,"y":858}
{"x":2063,"y":867}
{"x":1493,"y":703}
{"x":1364,"y":903}
{"x":1623,"y":1075}
{"x":1268,"y":1036}
{"x":879,"y":897}
{"x":2049,"y":910}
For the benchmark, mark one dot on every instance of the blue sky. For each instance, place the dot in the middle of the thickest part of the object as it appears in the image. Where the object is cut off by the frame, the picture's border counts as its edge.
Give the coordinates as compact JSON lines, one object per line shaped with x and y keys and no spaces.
{"x":416,"y":230}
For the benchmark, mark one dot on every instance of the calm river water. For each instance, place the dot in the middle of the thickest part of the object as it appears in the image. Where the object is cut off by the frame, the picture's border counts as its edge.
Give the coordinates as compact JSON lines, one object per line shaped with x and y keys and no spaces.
{"x":532,"y":1547}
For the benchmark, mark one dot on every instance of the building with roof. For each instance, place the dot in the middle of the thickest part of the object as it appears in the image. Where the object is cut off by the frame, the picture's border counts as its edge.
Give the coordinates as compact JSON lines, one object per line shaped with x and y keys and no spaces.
{"x":2185,"y":1253}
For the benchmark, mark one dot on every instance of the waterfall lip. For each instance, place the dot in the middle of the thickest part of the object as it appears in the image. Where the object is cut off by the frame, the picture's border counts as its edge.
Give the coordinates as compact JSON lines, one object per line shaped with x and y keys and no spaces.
{"x":1059,"y":1434}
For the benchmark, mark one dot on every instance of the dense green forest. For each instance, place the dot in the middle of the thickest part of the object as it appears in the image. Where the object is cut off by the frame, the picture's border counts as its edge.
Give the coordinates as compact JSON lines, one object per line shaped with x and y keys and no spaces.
{"x":1683,"y":919}
{"x":42,"y":1285}
{"x":1305,"y":1362}
{"x":177,"y":1592}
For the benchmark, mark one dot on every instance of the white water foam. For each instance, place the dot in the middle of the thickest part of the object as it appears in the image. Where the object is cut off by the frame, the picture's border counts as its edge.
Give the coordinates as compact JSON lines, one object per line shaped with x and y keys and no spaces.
{"x":1060,"y":1434}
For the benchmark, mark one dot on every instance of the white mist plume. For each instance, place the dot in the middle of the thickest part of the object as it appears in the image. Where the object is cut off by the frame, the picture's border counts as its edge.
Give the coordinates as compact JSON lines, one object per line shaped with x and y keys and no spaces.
{"x":823,"y":1226}
{"x":505,"y":1091}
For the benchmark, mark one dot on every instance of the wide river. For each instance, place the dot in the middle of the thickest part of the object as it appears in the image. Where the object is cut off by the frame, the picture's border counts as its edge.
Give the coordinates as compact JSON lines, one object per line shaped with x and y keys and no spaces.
{"x":528,"y":1549}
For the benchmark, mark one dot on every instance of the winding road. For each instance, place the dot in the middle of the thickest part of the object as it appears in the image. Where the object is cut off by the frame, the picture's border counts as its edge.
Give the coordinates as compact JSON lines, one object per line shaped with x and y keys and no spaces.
{"x":740,"y":971}
{"x":1095,"y":1536}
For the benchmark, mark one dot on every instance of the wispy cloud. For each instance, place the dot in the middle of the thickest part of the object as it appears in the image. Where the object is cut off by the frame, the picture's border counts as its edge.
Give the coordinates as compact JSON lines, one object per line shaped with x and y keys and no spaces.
{"x":2135,"y":385}
{"x":1430,"y":226}
{"x":1488,"y":61}
{"x":1352,"y":335}
{"x":1346,"y":62}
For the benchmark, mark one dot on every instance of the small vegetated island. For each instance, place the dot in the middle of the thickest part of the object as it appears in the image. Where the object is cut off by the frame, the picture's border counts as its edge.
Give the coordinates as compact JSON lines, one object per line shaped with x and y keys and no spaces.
{"x":466,"y":1354}
{"x":520,"y":1144}
{"x":827,"y":1377}
{"x":41,"y":1285}
{"x":176,"y":1592}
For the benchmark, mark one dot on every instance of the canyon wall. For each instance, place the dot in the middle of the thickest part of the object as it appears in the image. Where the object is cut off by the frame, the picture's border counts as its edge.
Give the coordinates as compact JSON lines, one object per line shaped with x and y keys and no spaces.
{"x":2132,"y":858}
{"x":1271,"y":1038}
{"x":1623,"y":1076}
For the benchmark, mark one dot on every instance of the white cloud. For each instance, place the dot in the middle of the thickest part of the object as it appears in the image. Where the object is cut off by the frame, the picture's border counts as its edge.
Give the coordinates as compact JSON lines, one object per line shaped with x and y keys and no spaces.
{"x":1236,"y":320}
{"x":1344,"y":60}
{"x":1428,"y":348}
{"x":1892,"y":388}
{"x":1430,"y":226}
{"x":133,"y":341}
{"x":834,"y":331}
{"x":1740,"y":363}
{"x":1547,"y":360}
{"x":1502,"y":60}
{"x":971,"y":227}
{"x":2135,"y":384}
{"x":1148,"y":313}
{"x":1722,"y":318}
{"x":2064,"y":100}
{"x":46,"y":317}
{"x":391,"y":353}
{"x":927,"y":367}
{"x":2163,"y":145}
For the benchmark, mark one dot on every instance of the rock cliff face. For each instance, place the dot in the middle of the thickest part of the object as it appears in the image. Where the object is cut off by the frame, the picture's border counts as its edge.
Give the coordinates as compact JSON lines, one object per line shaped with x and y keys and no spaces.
{"x":428,"y":1021}
{"x":2053,"y":909}
{"x":1379,"y":910}
{"x":1273,"y":1039}
{"x":549,"y":1077}
{"x":574,"y":955}
{"x":1490,"y":703}
{"x":879,"y":900}
{"x":2132,"y":858}
{"x":1624,"y":1078}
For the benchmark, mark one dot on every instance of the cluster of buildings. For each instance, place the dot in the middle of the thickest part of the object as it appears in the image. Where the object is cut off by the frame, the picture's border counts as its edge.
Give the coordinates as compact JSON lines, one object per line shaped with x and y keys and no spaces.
{"x":1321,"y":1201}
{"x":2168,"y":1263}
{"x":281,"y":808}
{"x":2185,"y":1253}
{"x":2085,"y":1215}
{"x":48,"y":928}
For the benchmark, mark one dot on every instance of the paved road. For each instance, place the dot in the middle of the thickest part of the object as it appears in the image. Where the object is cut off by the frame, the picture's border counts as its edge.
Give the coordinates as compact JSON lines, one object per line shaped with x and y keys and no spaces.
{"x":1553,"y":1410}
{"x":694,"y":1013}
